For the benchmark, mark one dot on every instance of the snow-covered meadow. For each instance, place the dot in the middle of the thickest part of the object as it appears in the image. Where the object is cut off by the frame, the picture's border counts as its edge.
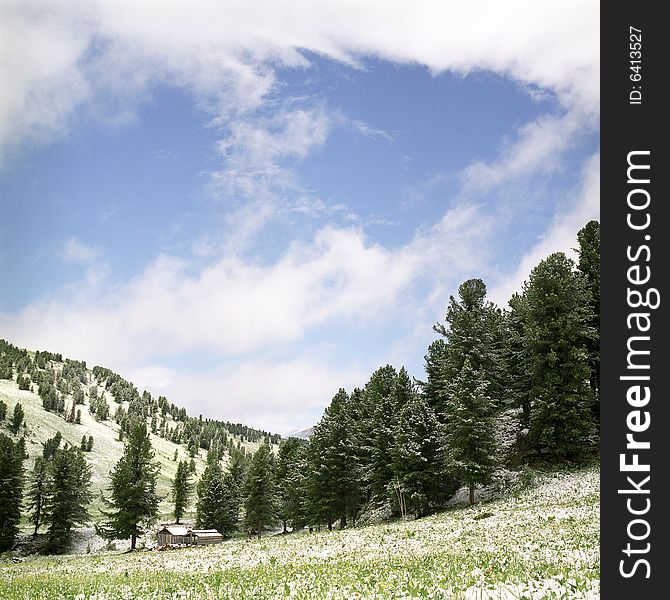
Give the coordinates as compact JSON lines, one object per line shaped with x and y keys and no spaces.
{"x":541,"y":541}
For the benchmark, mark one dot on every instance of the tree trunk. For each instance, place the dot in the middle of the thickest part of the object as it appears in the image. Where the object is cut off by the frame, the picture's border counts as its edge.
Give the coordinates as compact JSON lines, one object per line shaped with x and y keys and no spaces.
{"x":133,"y":539}
{"x":471,"y":498}
{"x":284,"y":524}
{"x":343,"y":521}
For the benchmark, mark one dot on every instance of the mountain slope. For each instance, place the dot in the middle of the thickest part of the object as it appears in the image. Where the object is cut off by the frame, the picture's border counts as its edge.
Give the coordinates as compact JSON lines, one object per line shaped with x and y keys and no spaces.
{"x":77,"y":392}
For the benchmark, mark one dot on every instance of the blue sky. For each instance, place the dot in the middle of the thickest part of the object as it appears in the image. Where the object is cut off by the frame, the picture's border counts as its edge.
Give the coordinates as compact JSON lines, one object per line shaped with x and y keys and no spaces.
{"x":245,"y":210}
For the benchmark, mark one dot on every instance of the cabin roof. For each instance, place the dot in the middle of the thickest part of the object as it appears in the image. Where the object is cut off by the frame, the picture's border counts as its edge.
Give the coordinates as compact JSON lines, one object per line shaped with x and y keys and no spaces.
{"x":206,"y":533}
{"x":176,"y":530}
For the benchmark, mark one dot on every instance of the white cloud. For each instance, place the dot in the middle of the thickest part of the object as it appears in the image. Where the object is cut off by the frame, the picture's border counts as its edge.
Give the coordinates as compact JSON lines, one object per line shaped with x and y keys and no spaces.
{"x":76,"y":251}
{"x":59,"y":55}
{"x":234,"y":307}
{"x":537,"y":148}
{"x":562,"y":233}
{"x":278,"y":396}
{"x":69,"y":59}
{"x":255,"y":150}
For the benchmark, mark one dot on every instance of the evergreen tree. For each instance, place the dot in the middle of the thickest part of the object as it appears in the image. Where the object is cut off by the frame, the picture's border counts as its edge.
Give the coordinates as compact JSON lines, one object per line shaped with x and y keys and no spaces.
{"x":89,"y":444}
{"x":435,"y":375}
{"x":287,"y":494}
{"x":420,"y":478}
{"x":516,"y":358}
{"x":17,"y":418}
{"x":589,"y":268}
{"x":51,"y":445}
{"x":67,"y":497}
{"x":470,"y":433}
{"x":374,"y":411}
{"x":555,"y":332}
{"x":216,"y":506}
{"x":3,"y":411}
{"x":11,"y":490}
{"x":334,"y":475}
{"x":473,"y":331}
{"x":84,"y":443}
{"x":23,"y":381}
{"x":259,"y":491}
{"x":133,"y":500}
{"x":36,"y":491}
{"x":181,"y":489}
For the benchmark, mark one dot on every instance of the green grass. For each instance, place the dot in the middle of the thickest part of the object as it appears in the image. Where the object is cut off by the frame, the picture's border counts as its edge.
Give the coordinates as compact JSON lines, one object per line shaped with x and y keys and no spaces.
{"x":541,"y":543}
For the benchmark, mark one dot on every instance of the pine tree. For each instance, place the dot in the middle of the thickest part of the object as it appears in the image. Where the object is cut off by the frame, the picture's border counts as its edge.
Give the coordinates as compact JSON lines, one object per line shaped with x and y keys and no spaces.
{"x":516,"y":358}
{"x":555,"y":332}
{"x":89,"y":444}
{"x":589,"y":268}
{"x":216,"y":507}
{"x":133,"y":500}
{"x":259,"y":491}
{"x":435,"y":375}
{"x":418,"y":463}
{"x":17,"y":418}
{"x":470,"y":433}
{"x":374,"y":411}
{"x":473,"y":331}
{"x":11,"y":490}
{"x":3,"y":411}
{"x":334,"y":475}
{"x":36,"y":492}
{"x":181,"y":489}
{"x":51,"y":445}
{"x":285,"y":464}
{"x":67,"y":497}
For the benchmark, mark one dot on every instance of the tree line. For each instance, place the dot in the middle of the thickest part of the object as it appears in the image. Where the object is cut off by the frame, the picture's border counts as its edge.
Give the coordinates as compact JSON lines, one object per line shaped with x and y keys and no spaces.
{"x":395,"y":442}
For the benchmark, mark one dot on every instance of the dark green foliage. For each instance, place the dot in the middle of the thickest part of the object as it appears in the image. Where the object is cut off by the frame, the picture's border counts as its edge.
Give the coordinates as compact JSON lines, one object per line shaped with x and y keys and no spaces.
{"x":89,"y":444}
{"x":67,"y":497}
{"x":133,"y":501}
{"x":259,"y":492}
{"x":470,"y":441}
{"x":36,"y":492}
{"x":11,"y":490}
{"x":3,"y":411}
{"x":99,"y":408}
{"x":554,"y":332}
{"x":516,"y":358}
{"x":374,"y":411}
{"x":473,"y":331}
{"x":334,"y":489}
{"x":84,"y":443}
{"x":181,"y":489}
{"x":418,"y":464}
{"x":23,"y":381}
{"x":435,"y":375}
{"x":589,"y":268}
{"x":290,"y":475}
{"x":50,"y":446}
{"x":17,"y":418}
{"x":216,"y":507}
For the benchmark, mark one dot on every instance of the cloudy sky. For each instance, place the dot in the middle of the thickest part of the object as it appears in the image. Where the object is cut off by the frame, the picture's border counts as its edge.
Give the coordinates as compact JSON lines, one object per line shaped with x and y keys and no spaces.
{"x":247,"y":205}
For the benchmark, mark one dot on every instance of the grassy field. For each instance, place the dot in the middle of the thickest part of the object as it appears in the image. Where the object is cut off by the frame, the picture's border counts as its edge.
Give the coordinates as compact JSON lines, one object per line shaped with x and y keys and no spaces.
{"x":541,"y":541}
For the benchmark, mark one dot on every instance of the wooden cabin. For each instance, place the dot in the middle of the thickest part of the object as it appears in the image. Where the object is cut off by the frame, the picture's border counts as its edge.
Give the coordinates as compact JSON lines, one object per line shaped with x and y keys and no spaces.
{"x":206,"y":536}
{"x":172,"y":535}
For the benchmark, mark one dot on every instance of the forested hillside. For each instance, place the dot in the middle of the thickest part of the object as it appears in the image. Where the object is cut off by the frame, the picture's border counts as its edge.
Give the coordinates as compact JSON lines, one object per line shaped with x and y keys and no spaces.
{"x":503,"y":388}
